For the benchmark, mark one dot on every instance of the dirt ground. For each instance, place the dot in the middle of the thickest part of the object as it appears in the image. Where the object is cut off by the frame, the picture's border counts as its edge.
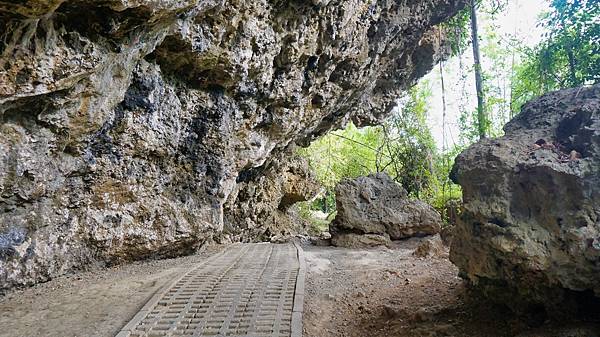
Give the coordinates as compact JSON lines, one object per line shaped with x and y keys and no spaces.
{"x":390,"y":293}
{"x":350,"y":293}
{"x":97,"y":303}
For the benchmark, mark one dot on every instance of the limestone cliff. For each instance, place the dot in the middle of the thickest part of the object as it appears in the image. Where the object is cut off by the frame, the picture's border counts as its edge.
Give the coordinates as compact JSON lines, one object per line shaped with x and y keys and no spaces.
{"x":136,"y":128}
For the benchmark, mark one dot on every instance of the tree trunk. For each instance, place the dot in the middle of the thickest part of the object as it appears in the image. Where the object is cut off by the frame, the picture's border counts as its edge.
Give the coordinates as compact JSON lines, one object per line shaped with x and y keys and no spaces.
{"x":574,"y":81}
{"x":481,"y":117}
{"x":511,"y":106}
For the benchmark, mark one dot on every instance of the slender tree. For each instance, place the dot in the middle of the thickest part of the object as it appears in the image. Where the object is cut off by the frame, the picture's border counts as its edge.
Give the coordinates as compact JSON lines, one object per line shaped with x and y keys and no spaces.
{"x":481,"y":117}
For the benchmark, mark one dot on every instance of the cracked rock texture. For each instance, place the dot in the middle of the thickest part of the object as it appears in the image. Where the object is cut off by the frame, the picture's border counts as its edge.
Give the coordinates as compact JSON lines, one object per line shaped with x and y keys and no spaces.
{"x":260,"y":206}
{"x":372,"y":210}
{"x":529,"y":233}
{"x":133,"y":129}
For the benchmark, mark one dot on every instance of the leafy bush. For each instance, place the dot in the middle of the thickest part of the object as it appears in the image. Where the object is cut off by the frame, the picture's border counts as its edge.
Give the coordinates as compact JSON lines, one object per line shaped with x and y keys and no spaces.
{"x":402,"y":147}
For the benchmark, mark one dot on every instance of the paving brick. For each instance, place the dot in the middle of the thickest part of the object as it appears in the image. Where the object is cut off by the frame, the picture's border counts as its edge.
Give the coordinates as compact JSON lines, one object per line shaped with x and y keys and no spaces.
{"x":248,"y":290}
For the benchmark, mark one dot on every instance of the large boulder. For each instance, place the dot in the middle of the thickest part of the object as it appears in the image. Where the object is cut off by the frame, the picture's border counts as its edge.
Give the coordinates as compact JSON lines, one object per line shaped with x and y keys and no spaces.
{"x":529,"y":233}
{"x":379,"y":208}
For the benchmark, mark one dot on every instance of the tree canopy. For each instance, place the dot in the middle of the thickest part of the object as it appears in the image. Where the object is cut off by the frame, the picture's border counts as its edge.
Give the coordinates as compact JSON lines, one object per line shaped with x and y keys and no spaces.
{"x":569,"y":55}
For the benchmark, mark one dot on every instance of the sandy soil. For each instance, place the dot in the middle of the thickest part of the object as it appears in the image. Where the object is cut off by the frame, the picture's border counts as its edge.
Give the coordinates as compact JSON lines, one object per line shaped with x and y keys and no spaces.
{"x":390,"y":293}
{"x":97,"y":303}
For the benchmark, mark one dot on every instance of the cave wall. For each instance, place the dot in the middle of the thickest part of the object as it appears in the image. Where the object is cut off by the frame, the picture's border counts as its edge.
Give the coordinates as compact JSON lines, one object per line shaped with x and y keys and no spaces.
{"x":129,"y":129}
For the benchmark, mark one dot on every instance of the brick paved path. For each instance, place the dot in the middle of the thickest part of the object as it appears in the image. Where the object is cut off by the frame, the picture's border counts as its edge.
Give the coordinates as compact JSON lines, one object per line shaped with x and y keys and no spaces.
{"x":248,"y":290}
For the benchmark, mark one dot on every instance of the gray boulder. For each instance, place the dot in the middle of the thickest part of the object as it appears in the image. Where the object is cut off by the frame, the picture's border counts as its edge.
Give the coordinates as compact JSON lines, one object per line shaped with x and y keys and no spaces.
{"x":529,"y":233}
{"x":360,"y":240}
{"x":431,"y":247}
{"x":375,"y":205}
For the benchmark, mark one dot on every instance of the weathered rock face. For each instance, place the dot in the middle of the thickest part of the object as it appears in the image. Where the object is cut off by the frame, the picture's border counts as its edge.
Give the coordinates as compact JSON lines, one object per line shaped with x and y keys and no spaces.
{"x":531,"y":219}
{"x":431,"y":247}
{"x":128,"y":127}
{"x":359,"y":240}
{"x":259,"y":207}
{"x":374,"y":209}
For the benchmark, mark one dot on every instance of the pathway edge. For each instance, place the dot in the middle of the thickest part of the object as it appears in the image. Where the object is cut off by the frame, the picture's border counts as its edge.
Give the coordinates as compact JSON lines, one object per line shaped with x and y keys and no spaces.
{"x":297,"y":312}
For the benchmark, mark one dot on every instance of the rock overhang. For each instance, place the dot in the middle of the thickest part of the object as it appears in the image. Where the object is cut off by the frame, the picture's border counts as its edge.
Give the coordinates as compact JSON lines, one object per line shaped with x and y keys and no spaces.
{"x":126,"y":125}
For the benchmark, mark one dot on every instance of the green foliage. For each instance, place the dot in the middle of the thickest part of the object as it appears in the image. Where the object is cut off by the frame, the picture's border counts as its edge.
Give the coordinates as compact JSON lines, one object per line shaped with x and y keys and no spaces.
{"x":575,"y":37}
{"x":457,"y":32}
{"x":513,"y":74}
{"x":457,"y":28}
{"x":402,"y":147}
{"x":407,"y":148}
{"x":569,"y":55}
{"x":347,"y":153}
{"x":497,"y":51}
{"x":317,"y":225}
